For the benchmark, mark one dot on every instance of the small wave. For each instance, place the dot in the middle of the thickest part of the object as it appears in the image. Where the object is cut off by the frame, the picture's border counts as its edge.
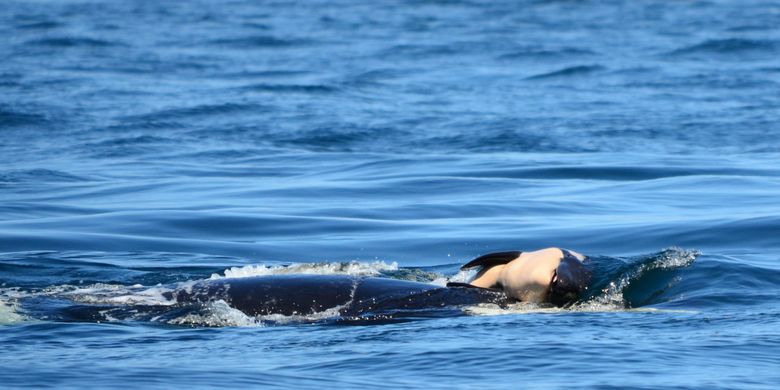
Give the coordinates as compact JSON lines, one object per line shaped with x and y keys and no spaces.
{"x":752,"y":27}
{"x":350,"y":268}
{"x":497,"y":137}
{"x":151,"y":124}
{"x":132,"y":141}
{"x":66,"y":42}
{"x":11,"y":118}
{"x":198,"y":111}
{"x":571,"y":71}
{"x":40,"y":25}
{"x":372,"y":77}
{"x":263,"y":74}
{"x":334,"y":138}
{"x":259,"y":41}
{"x":290,"y":88}
{"x":38,"y":176}
{"x":126,"y":146}
{"x":727,"y":46}
{"x":422,"y":50}
{"x":613,"y":295}
{"x":613,"y":173}
{"x":546,"y":54}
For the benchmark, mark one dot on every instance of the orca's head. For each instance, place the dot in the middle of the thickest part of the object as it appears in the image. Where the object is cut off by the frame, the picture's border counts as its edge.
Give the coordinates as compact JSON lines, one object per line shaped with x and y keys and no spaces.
{"x":569,"y":282}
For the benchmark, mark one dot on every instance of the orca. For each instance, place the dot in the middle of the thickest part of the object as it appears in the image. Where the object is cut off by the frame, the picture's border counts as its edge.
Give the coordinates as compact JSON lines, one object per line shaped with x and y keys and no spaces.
{"x":349,"y":295}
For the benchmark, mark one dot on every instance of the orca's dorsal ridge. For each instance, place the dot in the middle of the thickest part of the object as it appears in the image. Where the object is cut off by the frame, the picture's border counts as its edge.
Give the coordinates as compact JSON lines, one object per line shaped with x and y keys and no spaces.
{"x":492,"y":259}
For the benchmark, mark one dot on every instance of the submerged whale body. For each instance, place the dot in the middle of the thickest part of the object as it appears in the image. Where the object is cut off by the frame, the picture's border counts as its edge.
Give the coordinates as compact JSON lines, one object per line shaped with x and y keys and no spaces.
{"x":349,"y":295}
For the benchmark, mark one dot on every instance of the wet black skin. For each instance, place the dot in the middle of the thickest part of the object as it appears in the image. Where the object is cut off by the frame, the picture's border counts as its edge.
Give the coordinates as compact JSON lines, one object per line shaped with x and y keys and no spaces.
{"x":353,"y":296}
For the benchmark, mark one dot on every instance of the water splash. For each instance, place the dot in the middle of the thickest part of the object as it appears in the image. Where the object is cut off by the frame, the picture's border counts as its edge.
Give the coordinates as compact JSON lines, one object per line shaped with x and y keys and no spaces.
{"x":216,"y":314}
{"x":354,"y":268}
{"x":613,"y":294}
{"x":463,"y":276}
{"x":9,"y":313}
{"x":102,"y":294}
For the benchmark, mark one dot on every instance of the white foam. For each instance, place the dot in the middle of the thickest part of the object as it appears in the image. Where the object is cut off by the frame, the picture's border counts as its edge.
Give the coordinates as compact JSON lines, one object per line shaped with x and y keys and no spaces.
{"x":491,"y":309}
{"x":333,"y":312}
{"x":350,"y":268}
{"x":119,"y":295}
{"x":675,"y":258}
{"x":8,"y":313}
{"x":463,"y":276}
{"x":106,"y":314}
{"x":217,"y":314}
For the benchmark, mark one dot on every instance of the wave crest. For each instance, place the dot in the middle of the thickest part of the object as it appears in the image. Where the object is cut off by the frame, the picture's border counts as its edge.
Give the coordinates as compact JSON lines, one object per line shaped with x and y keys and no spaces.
{"x":637,"y":276}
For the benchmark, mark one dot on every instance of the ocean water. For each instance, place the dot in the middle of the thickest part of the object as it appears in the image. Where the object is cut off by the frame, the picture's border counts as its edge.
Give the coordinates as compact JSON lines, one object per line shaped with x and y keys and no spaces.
{"x":149,"y":145}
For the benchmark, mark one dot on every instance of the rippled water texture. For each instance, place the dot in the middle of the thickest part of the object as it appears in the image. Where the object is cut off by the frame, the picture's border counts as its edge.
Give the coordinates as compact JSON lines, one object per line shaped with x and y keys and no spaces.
{"x":150,"y":145}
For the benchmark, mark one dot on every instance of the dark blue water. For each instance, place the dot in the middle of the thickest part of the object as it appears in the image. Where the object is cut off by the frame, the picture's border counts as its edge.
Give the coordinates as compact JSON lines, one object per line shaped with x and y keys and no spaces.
{"x":148,"y":144}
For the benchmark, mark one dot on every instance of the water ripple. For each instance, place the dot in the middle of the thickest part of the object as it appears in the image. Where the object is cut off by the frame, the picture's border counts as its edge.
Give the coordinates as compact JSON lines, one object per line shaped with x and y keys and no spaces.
{"x":67,"y":42}
{"x":205,"y":110}
{"x":260,"y":42}
{"x":12,"y":118}
{"x":728,"y":46}
{"x":283,"y":88}
{"x":38,"y":176}
{"x":571,"y":71}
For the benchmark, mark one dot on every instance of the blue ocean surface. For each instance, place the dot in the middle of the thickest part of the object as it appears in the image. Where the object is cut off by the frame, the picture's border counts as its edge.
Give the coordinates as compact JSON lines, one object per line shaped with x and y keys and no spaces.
{"x":146,"y":146}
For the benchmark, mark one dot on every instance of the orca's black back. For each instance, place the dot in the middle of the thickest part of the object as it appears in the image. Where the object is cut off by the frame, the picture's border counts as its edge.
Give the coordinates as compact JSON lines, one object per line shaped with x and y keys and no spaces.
{"x":307,"y":294}
{"x":277,"y":294}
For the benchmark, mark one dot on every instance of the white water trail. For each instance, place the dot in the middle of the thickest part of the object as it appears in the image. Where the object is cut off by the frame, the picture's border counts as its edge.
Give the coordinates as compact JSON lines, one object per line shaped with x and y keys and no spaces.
{"x":354,"y":268}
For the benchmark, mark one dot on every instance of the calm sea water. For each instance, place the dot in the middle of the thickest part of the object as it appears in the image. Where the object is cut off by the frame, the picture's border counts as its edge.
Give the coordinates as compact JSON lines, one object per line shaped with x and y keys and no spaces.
{"x":148,"y":144}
